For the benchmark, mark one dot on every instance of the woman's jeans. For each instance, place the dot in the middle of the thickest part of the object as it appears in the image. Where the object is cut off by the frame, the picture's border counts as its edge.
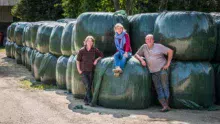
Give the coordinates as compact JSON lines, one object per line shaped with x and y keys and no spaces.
{"x":120,"y":60}
{"x":87,"y":78}
{"x":161,"y":83}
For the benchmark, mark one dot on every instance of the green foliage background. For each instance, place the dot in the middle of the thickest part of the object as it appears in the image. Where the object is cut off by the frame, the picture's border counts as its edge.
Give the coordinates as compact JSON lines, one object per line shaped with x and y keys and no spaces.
{"x":36,"y":10}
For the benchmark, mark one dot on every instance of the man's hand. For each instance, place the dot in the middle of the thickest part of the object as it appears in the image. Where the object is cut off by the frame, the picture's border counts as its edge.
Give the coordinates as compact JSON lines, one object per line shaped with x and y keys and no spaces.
{"x":126,"y":55}
{"x":143,"y":63}
{"x":166,"y":67}
{"x":95,"y":62}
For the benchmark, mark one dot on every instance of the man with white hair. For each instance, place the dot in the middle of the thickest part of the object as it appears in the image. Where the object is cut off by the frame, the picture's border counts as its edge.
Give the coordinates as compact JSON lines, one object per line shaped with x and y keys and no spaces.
{"x":158,"y":66}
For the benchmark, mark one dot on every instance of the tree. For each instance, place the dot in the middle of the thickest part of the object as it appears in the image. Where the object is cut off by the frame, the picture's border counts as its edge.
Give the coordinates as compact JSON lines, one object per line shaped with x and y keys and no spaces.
{"x":36,"y":10}
{"x":191,"y":5}
{"x":72,"y":8}
{"x":116,"y":4}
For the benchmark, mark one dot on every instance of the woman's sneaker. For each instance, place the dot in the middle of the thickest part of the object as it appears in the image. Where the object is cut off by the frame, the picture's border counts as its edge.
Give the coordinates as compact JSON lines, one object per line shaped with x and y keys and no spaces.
{"x":119,"y":69}
{"x":116,"y":70}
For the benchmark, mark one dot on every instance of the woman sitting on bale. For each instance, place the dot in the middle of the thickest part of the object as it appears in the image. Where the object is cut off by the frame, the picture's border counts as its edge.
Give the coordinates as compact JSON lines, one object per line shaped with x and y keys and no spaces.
{"x":122,"y":43}
{"x":86,"y":61}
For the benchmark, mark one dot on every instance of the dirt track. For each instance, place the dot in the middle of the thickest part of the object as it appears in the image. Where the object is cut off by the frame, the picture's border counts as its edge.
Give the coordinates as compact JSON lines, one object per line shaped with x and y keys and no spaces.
{"x":25,"y":106}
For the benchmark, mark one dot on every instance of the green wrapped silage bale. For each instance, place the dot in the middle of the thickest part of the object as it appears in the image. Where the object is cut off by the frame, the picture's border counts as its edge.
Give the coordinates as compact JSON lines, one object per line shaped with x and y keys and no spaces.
{"x":66,"y":39}
{"x":13,"y":50}
{"x":192,"y":35}
{"x":192,"y":85}
{"x":28,"y":52}
{"x":34,"y":27}
{"x":215,"y":15}
{"x":129,"y":18}
{"x":23,"y":55}
{"x":101,"y":26}
{"x":8,"y":33}
{"x":132,"y":90}
{"x":61,"y":72}
{"x":73,"y":48}
{"x":27,"y":35}
{"x":18,"y":54}
{"x":37,"y":63}
{"x":66,"y":20}
{"x":140,"y":26}
{"x":55,"y":39}
{"x":69,"y":73}
{"x":19,"y":32}
{"x":217,"y":52}
{"x":216,"y":67}
{"x":12,"y":30}
{"x":8,"y":49}
{"x":43,"y":37}
{"x":32,"y":58}
{"x":47,"y":69}
{"x":78,"y":88}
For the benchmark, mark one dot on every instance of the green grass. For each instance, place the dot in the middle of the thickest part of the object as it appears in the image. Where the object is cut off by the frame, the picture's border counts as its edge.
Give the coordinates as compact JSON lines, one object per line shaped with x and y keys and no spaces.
{"x":37,"y":86}
{"x":2,"y":49}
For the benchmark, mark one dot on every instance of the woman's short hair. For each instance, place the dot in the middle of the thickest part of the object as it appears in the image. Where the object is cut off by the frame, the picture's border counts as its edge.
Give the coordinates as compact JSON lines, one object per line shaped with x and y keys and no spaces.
{"x":119,"y":25}
{"x":89,"y":37}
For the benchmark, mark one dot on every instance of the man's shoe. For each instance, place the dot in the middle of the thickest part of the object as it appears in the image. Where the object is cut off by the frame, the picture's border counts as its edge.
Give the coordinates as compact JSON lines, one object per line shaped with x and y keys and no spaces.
{"x":166,"y":109}
{"x":86,"y":103}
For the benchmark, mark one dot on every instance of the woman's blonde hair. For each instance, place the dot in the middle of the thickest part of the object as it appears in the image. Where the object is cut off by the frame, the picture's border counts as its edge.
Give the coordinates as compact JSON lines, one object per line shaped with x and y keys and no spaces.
{"x":87,"y":38}
{"x":119,"y":25}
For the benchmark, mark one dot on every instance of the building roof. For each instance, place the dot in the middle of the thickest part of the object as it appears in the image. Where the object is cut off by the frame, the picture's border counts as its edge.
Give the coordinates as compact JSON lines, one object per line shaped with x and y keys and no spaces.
{"x":8,"y":2}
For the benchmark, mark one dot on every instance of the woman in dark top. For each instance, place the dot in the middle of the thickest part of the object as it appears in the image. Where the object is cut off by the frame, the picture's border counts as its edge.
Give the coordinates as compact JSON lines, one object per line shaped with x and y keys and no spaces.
{"x":86,"y":61}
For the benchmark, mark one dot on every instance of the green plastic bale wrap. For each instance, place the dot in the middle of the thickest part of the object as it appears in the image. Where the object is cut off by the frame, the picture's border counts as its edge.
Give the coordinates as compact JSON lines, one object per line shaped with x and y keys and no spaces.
{"x":69,"y":73}
{"x":47,"y":69}
{"x":101,"y":26}
{"x":19,"y":32}
{"x":215,"y":15}
{"x":8,"y":49}
{"x":129,"y":18}
{"x":55,"y":39}
{"x":66,"y":20}
{"x":28,"y":52}
{"x":12,"y":30}
{"x":37,"y":63}
{"x":18,"y":54}
{"x":217,"y":52}
{"x":61,"y":72}
{"x":132,"y":90}
{"x":43,"y":37}
{"x":192,"y":85}
{"x":27,"y":35}
{"x":191,"y":34}
{"x":13,"y":50}
{"x":140,"y":26}
{"x":217,"y":82}
{"x":23,"y":37}
{"x":34,"y":29}
{"x":32,"y":58}
{"x":73,"y":49}
{"x":23,"y":55}
{"x":8,"y":33}
{"x":78,"y":88}
{"x":66,"y":39}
